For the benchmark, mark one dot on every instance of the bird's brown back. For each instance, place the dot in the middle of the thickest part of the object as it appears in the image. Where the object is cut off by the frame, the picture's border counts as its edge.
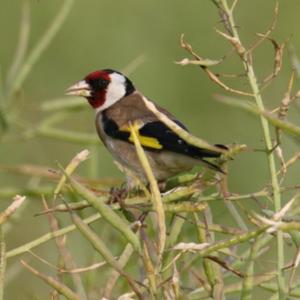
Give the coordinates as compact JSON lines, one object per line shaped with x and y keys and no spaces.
{"x":135,"y":110}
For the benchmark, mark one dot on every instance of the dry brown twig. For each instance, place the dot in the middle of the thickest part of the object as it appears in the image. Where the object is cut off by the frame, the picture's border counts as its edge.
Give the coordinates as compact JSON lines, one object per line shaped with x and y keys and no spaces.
{"x":291,"y":161}
{"x":225,"y":265}
{"x":278,"y":48}
{"x":53,"y":174}
{"x":212,"y":76}
{"x":264,"y":36}
{"x":284,"y":106}
{"x":65,"y":257}
{"x":58,"y":286}
{"x":17,"y":202}
{"x":74,"y":163}
{"x":234,"y":41}
{"x":69,"y":271}
{"x":282,"y":111}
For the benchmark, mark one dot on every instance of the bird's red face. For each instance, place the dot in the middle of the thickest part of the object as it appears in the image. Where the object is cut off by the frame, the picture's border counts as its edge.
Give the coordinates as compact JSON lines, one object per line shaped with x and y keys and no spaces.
{"x":102,"y":88}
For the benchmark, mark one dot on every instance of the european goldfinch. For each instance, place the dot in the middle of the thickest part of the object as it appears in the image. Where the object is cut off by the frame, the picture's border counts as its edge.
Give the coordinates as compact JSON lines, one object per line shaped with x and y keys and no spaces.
{"x":117,"y":105}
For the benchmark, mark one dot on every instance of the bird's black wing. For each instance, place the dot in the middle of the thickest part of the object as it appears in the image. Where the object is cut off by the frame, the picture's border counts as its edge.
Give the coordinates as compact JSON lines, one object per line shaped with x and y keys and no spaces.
{"x":156,"y":136}
{"x":170,"y":141}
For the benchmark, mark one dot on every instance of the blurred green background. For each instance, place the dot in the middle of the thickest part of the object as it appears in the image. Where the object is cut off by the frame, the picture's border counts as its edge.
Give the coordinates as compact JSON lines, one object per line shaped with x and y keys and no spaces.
{"x":117,"y":34}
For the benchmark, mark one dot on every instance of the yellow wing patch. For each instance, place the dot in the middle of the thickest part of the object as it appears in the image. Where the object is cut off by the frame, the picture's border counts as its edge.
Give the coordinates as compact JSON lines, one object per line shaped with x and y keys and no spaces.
{"x":145,"y":141}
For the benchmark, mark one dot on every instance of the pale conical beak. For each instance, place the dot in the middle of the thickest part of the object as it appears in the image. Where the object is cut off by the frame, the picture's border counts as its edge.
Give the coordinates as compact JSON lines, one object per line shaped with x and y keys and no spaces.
{"x":81,"y":88}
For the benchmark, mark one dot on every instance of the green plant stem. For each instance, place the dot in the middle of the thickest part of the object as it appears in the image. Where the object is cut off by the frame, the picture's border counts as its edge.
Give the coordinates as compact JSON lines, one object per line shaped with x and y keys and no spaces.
{"x":235,"y":214}
{"x":212,"y":271}
{"x":230,"y":288}
{"x":58,"y":286}
{"x":273,"y":288}
{"x":9,"y":192}
{"x":150,"y":271}
{"x":114,"y":275}
{"x":217,"y":246}
{"x":268,"y":141}
{"x":22,"y":42}
{"x":247,"y":288}
{"x":262,"y":242}
{"x":107,"y":213}
{"x":41,"y":46}
{"x":68,"y":135}
{"x":47,"y":237}
{"x":170,"y":197}
{"x":65,"y":258}
{"x":2,"y":262}
{"x":67,"y":103}
{"x":177,"y":194}
{"x":176,"y":228}
{"x":101,"y":247}
{"x":286,"y":126}
{"x":3,"y":117}
{"x":46,"y":129}
{"x":155,"y":193}
{"x":51,"y":235}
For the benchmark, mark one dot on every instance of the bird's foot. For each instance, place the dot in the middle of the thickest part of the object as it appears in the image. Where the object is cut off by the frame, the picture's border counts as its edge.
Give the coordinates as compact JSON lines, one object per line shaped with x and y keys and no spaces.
{"x":118,"y":195}
{"x":162,"y":185}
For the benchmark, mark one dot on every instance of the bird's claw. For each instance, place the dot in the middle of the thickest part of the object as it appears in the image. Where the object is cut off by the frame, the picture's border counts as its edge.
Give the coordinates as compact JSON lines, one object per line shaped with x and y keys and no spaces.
{"x":118,"y":195}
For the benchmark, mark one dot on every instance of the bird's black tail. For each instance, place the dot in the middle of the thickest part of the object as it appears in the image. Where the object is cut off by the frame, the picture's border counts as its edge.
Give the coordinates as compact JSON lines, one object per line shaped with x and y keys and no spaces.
{"x":201,"y":154}
{"x":204,"y":153}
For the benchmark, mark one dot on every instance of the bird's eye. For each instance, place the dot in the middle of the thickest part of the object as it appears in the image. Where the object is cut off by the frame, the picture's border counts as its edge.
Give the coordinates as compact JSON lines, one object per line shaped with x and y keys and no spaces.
{"x":98,"y":83}
{"x":102,"y":82}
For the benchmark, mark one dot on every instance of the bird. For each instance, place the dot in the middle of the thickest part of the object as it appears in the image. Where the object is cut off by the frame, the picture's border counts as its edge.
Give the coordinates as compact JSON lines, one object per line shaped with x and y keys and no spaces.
{"x":118,"y":104}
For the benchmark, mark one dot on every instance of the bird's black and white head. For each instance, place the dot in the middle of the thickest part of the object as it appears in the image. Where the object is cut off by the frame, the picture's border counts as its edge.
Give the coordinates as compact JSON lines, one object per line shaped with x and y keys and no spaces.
{"x":102,"y":88}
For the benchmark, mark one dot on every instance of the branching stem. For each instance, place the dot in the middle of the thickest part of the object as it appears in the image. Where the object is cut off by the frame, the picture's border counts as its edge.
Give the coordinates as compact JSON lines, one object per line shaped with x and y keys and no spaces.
{"x":247,"y":62}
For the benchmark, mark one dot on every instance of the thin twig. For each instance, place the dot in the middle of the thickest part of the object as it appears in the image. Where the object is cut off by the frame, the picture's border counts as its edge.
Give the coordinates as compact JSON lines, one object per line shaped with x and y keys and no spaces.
{"x":264,"y":36}
{"x":212,"y":76}
{"x":101,"y":247}
{"x":5,"y":215}
{"x":47,"y":237}
{"x":58,"y":286}
{"x":71,"y":167}
{"x":65,"y":255}
{"x":114,"y":275}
